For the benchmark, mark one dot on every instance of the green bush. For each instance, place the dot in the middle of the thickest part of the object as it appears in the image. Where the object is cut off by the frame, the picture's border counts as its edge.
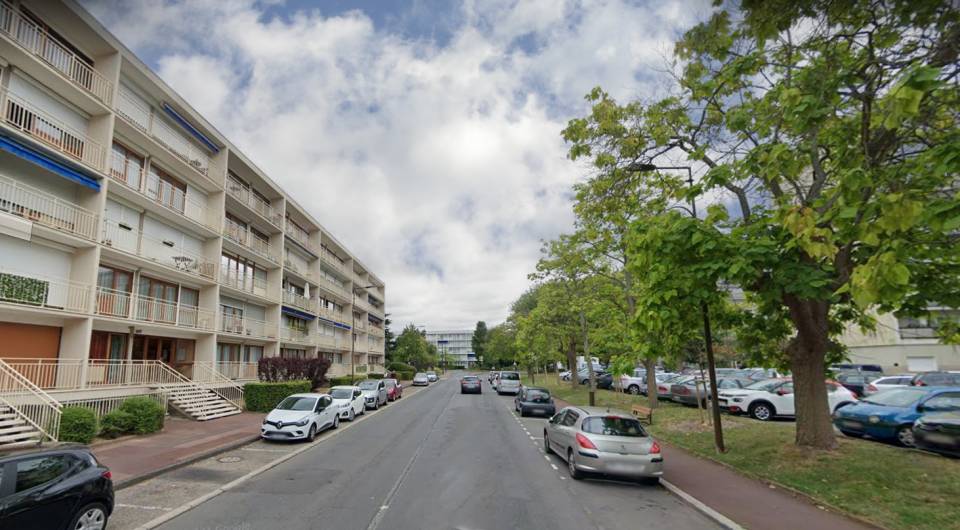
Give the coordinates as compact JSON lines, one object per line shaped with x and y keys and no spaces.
{"x":345,"y":380}
{"x":374,"y":375}
{"x":263,"y":397}
{"x":78,"y":424}
{"x":405,"y":375}
{"x":397,"y":366}
{"x":147,"y":414}
{"x":116,"y":423}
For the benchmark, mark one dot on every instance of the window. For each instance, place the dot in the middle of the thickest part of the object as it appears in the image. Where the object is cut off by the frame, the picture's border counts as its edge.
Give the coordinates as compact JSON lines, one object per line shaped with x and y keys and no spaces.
{"x":613,"y":426}
{"x":570,"y":419}
{"x":160,"y":301}
{"x":948,"y":401}
{"x":252,"y":354}
{"x":34,"y":472}
{"x":292,"y":353}
{"x":166,"y":190}
{"x":231,"y":319}
{"x":297,"y":324}
{"x":114,"y":279}
{"x":127,"y":166}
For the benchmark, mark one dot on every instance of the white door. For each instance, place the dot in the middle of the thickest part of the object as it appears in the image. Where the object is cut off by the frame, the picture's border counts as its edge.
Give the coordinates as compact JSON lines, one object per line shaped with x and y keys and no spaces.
{"x":921,"y":364}
{"x":784,"y":403}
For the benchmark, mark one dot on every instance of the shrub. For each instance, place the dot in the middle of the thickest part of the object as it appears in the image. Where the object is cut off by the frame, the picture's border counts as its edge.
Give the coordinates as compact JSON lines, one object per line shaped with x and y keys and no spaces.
{"x":116,"y":423}
{"x":78,"y":424}
{"x":279,"y":369}
{"x":396,"y":366}
{"x":262,"y":397}
{"x":374,"y":375}
{"x":147,"y":414}
{"x":345,"y":380}
{"x":405,"y":375}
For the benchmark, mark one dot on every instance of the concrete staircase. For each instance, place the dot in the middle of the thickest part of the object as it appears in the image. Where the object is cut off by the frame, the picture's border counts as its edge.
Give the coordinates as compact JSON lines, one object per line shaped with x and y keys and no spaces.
{"x":199,"y":403}
{"x":16,"y":431}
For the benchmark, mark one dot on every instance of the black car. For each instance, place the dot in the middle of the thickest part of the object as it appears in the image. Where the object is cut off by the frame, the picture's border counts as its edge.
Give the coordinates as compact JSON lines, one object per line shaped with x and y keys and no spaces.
{"x":57,"y":488}
{"x":470,"y":384}
{"x":855,"y":382}
{"x":936,"y":379}
{"x":939,"y":433}
{"x":534,"y":400}
{"x":605,"y":381}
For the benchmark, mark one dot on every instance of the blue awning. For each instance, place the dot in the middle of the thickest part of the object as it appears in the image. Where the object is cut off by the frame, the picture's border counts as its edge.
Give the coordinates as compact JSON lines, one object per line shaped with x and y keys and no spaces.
{"x":334,"y":324}
{"x":181,"y":121}
{"x":296,"y":313}
{"x":43,"y":160}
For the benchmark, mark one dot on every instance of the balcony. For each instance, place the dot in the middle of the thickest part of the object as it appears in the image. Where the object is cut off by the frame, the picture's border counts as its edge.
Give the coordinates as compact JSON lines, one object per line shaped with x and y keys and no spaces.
{"x":246,"y":327}
{"x":246,"y":239}
{"x":330,"y":314}
{"x":375,"y":331}
{"x":42,"y":292}
{"x":299,"y":301}
{"x":45,"y":209}
{"x":334,"y":288}
{"x":247,"y":284}
{"x":120,"y":304}
{"x":299,"y":235}
{"x":242,"y":193}
{"x":147,"y":121}
{"x":289,"y":334}
{"x":237,"y":370}
{"x":35,"y":39}
{"x":359,"y":327}
{"x":126,"y":238}
{"x":334,"y":261}
{"x":50,"y":131}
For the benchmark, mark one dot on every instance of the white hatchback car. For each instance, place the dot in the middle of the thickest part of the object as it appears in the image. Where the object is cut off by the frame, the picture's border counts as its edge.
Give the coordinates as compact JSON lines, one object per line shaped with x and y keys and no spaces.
{"x":300,"y":417}
{"x":349,"y":401}
{"x":768,"y":399}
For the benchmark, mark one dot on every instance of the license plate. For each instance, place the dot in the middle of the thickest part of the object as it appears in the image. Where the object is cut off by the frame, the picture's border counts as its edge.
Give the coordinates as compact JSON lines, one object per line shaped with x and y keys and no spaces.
{"x":722,"y":402}
{"x":852,"y":424}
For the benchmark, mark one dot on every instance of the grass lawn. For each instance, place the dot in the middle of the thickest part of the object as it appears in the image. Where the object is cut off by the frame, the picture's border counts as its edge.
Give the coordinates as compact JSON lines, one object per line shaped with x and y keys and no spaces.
{"x":889,"y":486}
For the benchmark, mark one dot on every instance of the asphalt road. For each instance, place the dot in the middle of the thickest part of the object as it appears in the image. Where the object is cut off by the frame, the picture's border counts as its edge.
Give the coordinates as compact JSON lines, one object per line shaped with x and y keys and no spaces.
{"x":438,"y":460}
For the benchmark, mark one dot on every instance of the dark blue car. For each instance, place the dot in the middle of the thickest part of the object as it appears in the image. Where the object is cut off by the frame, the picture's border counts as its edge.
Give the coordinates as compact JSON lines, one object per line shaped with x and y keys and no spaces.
{"x":890,"y":414}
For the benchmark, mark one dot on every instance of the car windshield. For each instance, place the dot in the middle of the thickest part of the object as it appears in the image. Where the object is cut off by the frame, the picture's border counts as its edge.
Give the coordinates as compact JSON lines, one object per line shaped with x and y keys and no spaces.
{"x":613,"y":426}
{"x":297,"y":403}
{"x":537,"y":395}
{"x":767,"y":384}
{"x":368,"y":385}
{"x":510,"y":376}
{"x":896,"y":397}
{"x":341,"y":393}
{"x":420,"y":376}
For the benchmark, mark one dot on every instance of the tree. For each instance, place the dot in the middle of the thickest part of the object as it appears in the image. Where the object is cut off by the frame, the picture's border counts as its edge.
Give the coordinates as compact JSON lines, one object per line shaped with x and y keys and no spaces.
{"x":412,"y":348}
{"x":501,"y":347}
{"x":479,"y":340}
{"x":389,"y":340}
{"x":832,"y":130}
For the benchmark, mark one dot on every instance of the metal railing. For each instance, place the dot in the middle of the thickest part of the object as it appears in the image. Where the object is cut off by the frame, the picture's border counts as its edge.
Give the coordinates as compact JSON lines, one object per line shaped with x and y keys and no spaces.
{"x":26,"y":288}
{"x":333,"y":260}
{"x":237,"y":370}
{"x":38,"y":124}
{"x":207,"y":376}
{"x":129,"y":239}
{"x":294,"y":334}
{"x":103,"y":405}
{"x":29,"y":402}
{"x":330,"y":314}
{"x":299,"y":301}
{"x":125,"y":172}
{"x":333,"y":287}
{"x":247,"y":327}
{"x":242,"y":193}
{"x":375,"y":331}
{"x":249,"y":284}
{"x":37,"y":41}
{"x":146,"y":309}
{"x":299,"y":235}
{"x":173,"y":382}
{"x":245,"y":238}
{"x":43,"y":208}
{"x":173,"y":198}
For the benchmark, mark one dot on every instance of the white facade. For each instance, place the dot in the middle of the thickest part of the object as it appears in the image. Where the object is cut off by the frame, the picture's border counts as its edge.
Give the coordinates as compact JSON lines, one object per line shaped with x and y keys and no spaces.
{"x":903,"y":344}
{"x":455,"y":345}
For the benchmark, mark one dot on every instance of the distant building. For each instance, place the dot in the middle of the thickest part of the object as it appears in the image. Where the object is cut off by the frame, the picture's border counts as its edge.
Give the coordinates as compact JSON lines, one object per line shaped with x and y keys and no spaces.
{"x":904,"y":344}
{"x":456,"y":345}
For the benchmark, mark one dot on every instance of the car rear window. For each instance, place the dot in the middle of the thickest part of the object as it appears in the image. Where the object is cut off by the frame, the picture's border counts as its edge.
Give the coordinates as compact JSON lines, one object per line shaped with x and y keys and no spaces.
{"x":613,"y":426}
{"x":537,"y":395}
{"x":471,"y":378}
{"x":510,"y":376}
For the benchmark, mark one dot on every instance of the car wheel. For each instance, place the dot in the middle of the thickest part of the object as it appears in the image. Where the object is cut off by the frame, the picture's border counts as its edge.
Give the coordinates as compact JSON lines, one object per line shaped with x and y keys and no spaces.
{"x":523,"y":412}
{"x":762,"y":411}
{"x":546,"y":444}
{"x":91,"y":517}
{"x":633,"y":389}
{"x":575,"y":473}
{"x":312,"y":433}
{"x":336,"y":421}
{"x":352,"y":415}
{"x":363,"y":410}
{"x":851,"y":434}
{"x":905,"y":436}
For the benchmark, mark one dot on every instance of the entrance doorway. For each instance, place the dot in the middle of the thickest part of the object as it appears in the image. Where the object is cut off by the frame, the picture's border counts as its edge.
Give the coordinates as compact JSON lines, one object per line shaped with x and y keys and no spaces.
{"x":178,"y":353}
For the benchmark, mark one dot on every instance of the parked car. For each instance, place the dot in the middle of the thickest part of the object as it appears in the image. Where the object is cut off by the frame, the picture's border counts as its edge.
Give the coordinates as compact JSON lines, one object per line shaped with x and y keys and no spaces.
{"x":394,"y":389}
{"x":605,"y":381}
{"x":765,"y":400}
{"x":663,"y":388}
{"x":936,"y":379}
{"x":62,"y":487}
{"x":867,"y":369}
{"x":697,"y":391}
{"x":600,"y":440}
{"x":565,"y":375}
{"x":508,"y":383}
{"x":938,"y":432}
{"x":432,"y":376}
{"x":583,"y":376}
{"x":633,"y":383}
{"x":890,"y":415}
{"x":300,"y":417}
{"x":533,"y":400}
{"x":757,"y":374}
{"x":349,"y":401}
{"x":420,"y":379}
{"x":886,"y":383}
{"x":470,"y":384}
{"x":855,"y":382}
{"x":374,"y":393}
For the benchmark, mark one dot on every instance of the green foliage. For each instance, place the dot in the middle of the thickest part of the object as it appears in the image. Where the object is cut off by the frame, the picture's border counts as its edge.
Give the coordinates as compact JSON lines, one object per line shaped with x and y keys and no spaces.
{"x":479,"y":340}
{"x":346,"y":380}
{"x":501,"y":349}
{"x":413,"y":349}
{"x":116,"y":423}
{"x":147,"y":414}
{"x":78,"y":424}
{"x":22,"y":289}
{"x":263,"y":397}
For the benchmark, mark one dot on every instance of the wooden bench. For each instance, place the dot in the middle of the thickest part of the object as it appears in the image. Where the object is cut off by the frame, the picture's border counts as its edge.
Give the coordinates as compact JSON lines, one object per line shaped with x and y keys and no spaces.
{"x":643,"y":413}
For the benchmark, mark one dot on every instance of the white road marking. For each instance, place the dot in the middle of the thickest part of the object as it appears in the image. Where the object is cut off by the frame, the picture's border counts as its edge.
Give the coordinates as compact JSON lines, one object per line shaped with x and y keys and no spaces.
{"x":554,"y":466}
{"x":139,"y":507}
{"x":547,"y":458}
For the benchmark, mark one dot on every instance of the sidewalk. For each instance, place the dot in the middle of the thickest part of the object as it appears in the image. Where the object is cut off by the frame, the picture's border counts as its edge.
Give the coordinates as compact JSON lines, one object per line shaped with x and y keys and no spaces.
{"x":181,"y":440}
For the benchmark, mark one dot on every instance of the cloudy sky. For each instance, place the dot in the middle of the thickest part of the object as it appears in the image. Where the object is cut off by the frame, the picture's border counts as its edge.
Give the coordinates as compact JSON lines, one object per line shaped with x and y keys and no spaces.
{"x":425,"y":134}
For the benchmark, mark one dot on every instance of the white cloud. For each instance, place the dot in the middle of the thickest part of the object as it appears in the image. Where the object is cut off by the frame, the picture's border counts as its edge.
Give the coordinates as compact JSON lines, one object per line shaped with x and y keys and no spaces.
{"x":441,"y":167}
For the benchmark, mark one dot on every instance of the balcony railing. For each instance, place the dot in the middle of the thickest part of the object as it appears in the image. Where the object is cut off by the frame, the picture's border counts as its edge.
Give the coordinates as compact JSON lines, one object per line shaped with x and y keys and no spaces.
{"x":359,"y":327}
{"x":76,"y":374}
{"x":299,"y":301}
{"x":333,"y":260}
{"x":147,"y":120}
{"x":247,"y":327}
{"x":375,"y":331}
{"x":48,"y":210}
{"x":41,"y":291}
{"x":240,"y":282}
{"x":243,"y":194}
{"x":333,"y":287}
{"x":129,"y":239}
{"x":237,"y":370}
{"x":37,"y":41}
{"x":38,"y":124}
{"x":126,"y":172}
{"x":330,"y":314}
{"x":294,"y":334}
{"x":245,"y":238}
{"x":122,"y":304}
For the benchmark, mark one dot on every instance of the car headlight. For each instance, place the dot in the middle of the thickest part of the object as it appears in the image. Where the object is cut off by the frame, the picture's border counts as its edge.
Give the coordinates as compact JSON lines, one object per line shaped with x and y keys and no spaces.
{"x":302,"y":422}
{"x":874,"y":419}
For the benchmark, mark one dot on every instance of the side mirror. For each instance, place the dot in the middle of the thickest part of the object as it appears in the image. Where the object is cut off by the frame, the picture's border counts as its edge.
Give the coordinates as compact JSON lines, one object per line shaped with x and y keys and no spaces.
{"x":921,"y":408}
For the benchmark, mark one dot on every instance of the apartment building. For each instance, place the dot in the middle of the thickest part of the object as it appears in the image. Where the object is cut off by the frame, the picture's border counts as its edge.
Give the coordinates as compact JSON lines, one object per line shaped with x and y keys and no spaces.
{"x":456,"y":346}
{"x":140,"y":252}
{"x":904,"y":344}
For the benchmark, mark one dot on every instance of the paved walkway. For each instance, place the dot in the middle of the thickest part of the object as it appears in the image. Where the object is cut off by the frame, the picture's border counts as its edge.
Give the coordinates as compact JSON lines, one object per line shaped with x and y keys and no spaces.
{"x":180,"y":440}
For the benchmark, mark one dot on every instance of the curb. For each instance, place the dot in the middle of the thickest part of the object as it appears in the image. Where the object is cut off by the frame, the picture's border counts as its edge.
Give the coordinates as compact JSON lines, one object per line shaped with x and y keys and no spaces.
{"x":189,"y":460}
{"x":712,"y":514}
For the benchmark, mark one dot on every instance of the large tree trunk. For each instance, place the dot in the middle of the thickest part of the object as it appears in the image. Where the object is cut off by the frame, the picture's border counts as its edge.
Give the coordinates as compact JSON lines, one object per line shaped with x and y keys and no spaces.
{"x":572,"y":361}
{"x":808,"y":352}
{"x":651,"y":365}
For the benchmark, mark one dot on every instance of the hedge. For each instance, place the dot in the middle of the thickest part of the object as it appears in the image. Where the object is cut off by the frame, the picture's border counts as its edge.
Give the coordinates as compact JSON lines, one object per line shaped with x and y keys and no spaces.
{"x":263,"y":397}
{"x":78,"y":424}
{"x":397,"y":366}
{"x":346,"y":381}
{"x":405,"y":375}
{"x":280,"y":369}
{"x":147,"y":414}
{"x":116,"y":423}
{"x":374,"y":375}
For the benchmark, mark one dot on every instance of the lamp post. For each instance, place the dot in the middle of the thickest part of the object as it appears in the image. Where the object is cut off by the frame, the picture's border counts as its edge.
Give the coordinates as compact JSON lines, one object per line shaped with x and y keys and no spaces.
{"x":353,"y":332}
{"x":704,"y":310}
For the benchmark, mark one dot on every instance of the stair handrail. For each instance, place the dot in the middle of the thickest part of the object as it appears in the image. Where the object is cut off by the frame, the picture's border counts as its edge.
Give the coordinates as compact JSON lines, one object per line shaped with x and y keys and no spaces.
{"x":209,"y":370}
{"x":178,"y":380}
{"x":44,"y":415}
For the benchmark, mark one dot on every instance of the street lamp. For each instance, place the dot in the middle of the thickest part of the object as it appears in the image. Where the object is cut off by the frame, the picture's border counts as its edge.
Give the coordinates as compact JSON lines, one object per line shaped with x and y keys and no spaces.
{"x":353,"y":332}
{"x":707,"y":337}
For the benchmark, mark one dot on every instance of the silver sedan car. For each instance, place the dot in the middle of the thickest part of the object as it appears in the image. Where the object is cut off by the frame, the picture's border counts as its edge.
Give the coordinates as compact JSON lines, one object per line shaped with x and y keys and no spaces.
{"x":599,"y":440}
